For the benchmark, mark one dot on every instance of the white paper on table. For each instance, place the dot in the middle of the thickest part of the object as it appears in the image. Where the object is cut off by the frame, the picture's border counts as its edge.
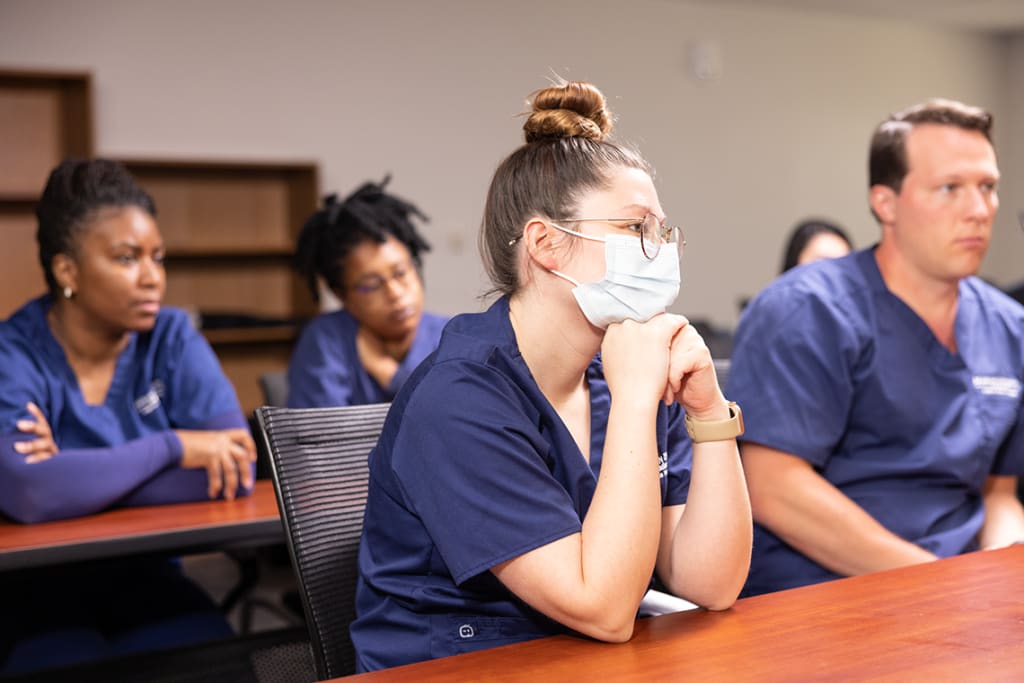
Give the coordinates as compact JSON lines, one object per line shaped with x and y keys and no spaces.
{"x":656,"y":602}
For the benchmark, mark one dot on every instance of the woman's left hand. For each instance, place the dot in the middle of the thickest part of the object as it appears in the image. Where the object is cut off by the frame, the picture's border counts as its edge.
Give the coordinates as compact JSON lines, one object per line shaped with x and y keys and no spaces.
{"x":41,"y":448}
{"x":691,"y":377}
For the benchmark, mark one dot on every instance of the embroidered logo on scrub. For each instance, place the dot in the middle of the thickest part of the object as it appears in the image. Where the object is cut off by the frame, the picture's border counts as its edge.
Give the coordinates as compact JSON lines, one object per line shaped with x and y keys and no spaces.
{"x":150,"y":400}
{"x":663,"y":465}
{"x":466,"y":631}
{"x":997,"y":386}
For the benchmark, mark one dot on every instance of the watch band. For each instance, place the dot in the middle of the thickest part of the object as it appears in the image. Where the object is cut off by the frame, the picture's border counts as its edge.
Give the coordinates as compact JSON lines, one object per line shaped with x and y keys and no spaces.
{"x":715,"y":430}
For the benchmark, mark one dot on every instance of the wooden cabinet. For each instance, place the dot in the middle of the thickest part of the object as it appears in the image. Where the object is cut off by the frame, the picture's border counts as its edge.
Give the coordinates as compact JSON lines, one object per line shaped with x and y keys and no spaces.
{"x":230,"y":228}
{"x":44,"y":118}
{"x":230,"y":231}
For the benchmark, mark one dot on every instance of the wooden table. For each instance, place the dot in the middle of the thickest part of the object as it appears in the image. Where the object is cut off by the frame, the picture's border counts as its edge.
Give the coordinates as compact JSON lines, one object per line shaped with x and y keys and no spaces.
{"x":182,"y":528}
{"x":960,"y":619}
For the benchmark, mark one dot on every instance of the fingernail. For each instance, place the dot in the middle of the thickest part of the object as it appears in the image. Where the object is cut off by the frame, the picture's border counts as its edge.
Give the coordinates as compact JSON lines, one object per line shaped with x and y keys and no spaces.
{"x":21,"y":446}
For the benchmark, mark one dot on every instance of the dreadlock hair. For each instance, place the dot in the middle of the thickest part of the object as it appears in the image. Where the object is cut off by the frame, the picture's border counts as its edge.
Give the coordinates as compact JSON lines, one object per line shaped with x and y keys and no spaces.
{"x":330,"y":234}
{"x":74,"y":192}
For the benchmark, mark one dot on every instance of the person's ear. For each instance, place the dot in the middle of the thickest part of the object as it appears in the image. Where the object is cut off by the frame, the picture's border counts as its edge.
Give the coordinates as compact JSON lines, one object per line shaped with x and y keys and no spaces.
{"x":65,"y":272}
{"x":540,"y":240}
{"x":882,"y":199}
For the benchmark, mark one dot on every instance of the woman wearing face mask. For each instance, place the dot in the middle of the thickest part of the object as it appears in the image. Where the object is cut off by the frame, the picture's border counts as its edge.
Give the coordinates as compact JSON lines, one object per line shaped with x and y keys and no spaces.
{"x":522,"y":487}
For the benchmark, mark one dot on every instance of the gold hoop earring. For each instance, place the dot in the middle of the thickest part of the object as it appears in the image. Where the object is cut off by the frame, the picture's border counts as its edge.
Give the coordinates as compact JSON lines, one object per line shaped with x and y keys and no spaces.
{"x":68,"y":293}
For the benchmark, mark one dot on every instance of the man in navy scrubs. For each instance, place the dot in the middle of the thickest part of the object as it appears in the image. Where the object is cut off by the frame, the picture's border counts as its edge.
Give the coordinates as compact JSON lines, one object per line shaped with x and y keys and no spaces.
{"x":882,"y":391}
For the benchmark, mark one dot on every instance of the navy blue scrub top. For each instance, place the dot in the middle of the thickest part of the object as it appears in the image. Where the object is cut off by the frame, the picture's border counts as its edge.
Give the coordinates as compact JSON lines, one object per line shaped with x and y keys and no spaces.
{"x":124,"y":451}
{"x":832,"y":367}
{"x":473,"y":468}
{"x":325,"y":369}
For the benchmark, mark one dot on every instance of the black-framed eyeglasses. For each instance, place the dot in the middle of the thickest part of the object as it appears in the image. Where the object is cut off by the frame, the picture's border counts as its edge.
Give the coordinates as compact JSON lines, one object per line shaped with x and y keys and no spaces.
{"x":372,"y":284}
{"x":653,"y":232}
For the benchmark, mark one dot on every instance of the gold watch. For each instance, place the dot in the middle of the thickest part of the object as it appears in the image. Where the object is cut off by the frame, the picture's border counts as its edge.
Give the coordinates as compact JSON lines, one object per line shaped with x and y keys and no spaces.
{"x":715,"y":430}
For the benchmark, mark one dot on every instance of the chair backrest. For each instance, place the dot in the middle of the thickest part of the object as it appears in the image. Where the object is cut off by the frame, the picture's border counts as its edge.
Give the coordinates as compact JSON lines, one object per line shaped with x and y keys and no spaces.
{"x":319,"y":466}
{"x":275,"y":388}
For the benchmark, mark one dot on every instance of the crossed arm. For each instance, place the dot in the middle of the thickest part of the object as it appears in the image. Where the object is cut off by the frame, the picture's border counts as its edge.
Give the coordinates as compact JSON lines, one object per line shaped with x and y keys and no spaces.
{"x":40,"y":482}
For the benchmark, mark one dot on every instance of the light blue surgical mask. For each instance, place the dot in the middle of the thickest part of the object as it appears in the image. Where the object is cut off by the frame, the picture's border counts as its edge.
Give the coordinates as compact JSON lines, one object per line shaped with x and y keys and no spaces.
{"x":633,"y":287}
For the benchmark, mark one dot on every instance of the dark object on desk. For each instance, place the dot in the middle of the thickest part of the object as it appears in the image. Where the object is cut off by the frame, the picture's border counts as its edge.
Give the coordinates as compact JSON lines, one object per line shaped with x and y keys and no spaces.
{"x":319,"y":464}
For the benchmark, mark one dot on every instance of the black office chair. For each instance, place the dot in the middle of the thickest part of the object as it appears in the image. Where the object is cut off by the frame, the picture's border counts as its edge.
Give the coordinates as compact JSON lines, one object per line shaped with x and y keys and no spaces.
{"x":274,"y":385}
{"x":251,"y":561}
{"x":319,"y":466}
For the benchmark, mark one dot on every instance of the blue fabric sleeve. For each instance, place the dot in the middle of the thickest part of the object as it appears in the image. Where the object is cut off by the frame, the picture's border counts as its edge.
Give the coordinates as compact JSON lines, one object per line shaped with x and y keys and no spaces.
{"x":1004,"y":320}
{"x":680,"y":458}
{"x":319,"y":375}
{"x":473,"y":467}
{"x":427,"y":337}
{"x":400,"y":377}
{"x":177,"y":485}
{"x":792,"y":368}
{"x":1010,"y":456}
{"x":79,"y":481}
{"x":199,"y":395}
{"x":75,"y":481}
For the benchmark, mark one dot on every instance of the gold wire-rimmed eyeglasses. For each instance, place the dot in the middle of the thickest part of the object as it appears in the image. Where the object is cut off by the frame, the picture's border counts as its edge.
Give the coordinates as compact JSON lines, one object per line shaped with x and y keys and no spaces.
{"x":652,"y":231}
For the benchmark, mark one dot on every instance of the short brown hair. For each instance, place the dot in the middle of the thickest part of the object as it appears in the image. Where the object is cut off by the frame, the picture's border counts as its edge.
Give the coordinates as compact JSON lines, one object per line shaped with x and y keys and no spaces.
{"x":887,"y":163}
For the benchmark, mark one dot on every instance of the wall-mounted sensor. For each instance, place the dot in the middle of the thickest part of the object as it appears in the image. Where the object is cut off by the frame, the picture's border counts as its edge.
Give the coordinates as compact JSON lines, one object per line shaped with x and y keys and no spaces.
{"x":705,"y":60}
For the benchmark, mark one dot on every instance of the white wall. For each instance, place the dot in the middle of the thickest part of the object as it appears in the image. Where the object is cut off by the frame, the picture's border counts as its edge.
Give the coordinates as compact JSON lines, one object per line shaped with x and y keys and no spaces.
{"x":430,"y":90}
{"x":1004,"y":262}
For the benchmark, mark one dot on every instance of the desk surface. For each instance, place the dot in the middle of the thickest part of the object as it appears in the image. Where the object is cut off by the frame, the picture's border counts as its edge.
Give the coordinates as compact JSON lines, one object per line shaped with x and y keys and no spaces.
{"x":185,"y":527}
{"x":954,"y":620}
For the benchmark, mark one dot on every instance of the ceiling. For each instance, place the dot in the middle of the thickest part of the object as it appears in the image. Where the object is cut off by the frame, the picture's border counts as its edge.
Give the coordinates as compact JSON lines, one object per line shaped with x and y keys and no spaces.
{"x":1002,"y":16}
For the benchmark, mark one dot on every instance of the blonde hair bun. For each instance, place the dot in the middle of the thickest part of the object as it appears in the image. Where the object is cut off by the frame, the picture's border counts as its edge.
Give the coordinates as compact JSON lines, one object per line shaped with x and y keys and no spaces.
{"x":573,"y":109}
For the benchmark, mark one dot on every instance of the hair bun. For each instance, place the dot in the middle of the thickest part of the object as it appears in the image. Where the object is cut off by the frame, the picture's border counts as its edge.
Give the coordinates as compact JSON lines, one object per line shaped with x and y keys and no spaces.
{"x":572,"y":110}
